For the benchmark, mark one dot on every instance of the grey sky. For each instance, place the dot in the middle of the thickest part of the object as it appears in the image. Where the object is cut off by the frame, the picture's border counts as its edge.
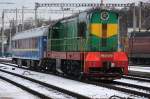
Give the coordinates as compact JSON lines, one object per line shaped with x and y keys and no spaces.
{"x":31,"y":3}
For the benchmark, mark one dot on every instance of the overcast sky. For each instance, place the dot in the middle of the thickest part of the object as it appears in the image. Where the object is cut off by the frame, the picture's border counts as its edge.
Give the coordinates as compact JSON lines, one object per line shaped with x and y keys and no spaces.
{"x":31,"y":4}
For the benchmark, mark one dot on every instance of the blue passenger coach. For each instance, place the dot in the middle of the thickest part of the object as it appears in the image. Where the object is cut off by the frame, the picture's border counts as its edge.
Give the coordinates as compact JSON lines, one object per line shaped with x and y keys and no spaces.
{"x":28,"y":47}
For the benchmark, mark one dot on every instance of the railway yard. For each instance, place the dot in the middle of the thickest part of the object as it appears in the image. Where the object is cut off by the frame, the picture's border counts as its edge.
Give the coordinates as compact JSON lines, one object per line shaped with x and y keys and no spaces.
{"x":47,"y":85}
{"x":71,"y":49}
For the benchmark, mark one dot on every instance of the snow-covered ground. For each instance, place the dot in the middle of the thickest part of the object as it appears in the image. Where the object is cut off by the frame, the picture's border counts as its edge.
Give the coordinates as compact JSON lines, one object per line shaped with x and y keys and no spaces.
{"x":89,"y":90}
{"x":140,"y":69}
{"x":9,"y":91}
{"x":135,"y":82}
{"x":6,"y":58}
{"x":37,"y":87}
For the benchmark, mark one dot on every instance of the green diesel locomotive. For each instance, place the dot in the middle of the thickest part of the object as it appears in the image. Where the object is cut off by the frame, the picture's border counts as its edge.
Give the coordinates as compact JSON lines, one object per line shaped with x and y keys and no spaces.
{"x":87,"y":44}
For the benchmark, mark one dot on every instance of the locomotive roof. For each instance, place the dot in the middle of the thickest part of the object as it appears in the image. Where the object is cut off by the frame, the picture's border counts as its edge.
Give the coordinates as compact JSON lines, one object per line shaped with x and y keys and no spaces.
{"x":36,"y":32}
{"x":86,"y":11}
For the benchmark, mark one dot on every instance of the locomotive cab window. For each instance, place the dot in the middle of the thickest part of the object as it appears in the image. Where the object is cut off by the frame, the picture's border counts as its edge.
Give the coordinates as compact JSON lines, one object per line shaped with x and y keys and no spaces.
{"x":82,"y":27}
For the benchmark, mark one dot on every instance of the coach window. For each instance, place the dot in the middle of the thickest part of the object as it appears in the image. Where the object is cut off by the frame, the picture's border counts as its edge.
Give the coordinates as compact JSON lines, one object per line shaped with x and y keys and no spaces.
{"x":30,"y":43}
{"x":27,"y":43}
{"x":17,"y":44}
{"x":82,"y":27}
{"x":22,"y":43}
{"x":33,"y":44}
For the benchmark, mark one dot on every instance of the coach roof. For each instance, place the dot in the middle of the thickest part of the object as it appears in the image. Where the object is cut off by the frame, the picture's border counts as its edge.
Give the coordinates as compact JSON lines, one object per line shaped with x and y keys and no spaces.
{"x":36,"y":32}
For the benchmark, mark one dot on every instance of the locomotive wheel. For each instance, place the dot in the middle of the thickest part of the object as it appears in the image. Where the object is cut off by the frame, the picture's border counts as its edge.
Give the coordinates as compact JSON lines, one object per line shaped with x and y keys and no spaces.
{"x":36,"y":65}
{"x":49,"y":65}
{"x":76,"y":69}
{"x":14,"y":61}
{"x":69,"y":68}
{"x":54,"y":66}
{"x":63,"y":66}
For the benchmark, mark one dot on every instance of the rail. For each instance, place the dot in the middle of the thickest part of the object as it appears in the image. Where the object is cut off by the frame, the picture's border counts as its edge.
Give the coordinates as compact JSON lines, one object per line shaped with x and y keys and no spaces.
{"x":112,"y":86}
{"x":73,"y":94}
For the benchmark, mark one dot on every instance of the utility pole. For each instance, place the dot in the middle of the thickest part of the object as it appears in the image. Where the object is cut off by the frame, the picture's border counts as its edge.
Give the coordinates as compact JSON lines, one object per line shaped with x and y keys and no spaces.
{"x":23,"y":18}
{"x":2,"y":51}
{"x":140,"y":15}
{"x":16,"y":20}
{"x":10,"y":34}
{"x":102,"y":2}
{"x":134,"y":18}
{"x":3,"y":17}
{"x":36,"y":7}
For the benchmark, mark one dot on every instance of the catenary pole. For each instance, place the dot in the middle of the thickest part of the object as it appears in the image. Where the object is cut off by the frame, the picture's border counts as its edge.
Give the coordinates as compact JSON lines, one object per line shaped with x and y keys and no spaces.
{"x":2,"y":38}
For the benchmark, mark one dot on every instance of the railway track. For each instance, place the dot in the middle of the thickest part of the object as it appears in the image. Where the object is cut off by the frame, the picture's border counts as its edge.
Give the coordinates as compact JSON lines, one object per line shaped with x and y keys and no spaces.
{"x":41,"y":95}
{"x":136,"y":89}
{"x":124,"y":89}
{"x":138,"y":75}
{"x":140,"y":78}
{"x":120,"y":86}
{"x":130,"y":76}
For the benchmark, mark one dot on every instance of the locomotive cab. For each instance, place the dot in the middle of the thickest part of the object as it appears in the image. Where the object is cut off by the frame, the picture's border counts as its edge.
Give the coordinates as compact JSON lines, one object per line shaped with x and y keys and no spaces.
{"x":87,"y":43}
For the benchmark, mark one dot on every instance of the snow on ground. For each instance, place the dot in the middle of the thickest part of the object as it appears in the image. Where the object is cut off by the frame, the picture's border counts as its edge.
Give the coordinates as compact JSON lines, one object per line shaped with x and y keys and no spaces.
{"x":135,"y":82}
{"x":135,"y":89}
{"x":6,"y":58}
{"x":92,"y":91}
{"x":37,"y":87}
{"x":139,"y":69}
{"x":9,"y":91}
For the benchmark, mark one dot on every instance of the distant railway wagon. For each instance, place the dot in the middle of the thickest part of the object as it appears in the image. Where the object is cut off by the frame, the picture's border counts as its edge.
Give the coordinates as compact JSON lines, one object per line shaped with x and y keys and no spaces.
{"x":28,"y":47}
{"x":139,"y":47}
{"x":85,"y":44}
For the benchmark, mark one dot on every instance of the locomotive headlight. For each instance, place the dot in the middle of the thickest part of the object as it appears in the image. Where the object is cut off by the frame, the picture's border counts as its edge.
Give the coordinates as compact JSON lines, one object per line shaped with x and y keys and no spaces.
{"x":104,"y":15}
{"x":112,"y":64}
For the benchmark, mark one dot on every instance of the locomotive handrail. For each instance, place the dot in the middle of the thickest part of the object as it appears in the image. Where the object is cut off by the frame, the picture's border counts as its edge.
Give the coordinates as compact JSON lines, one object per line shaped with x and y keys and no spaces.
{"x":67,"y":42}
{"x":67,"y":38}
